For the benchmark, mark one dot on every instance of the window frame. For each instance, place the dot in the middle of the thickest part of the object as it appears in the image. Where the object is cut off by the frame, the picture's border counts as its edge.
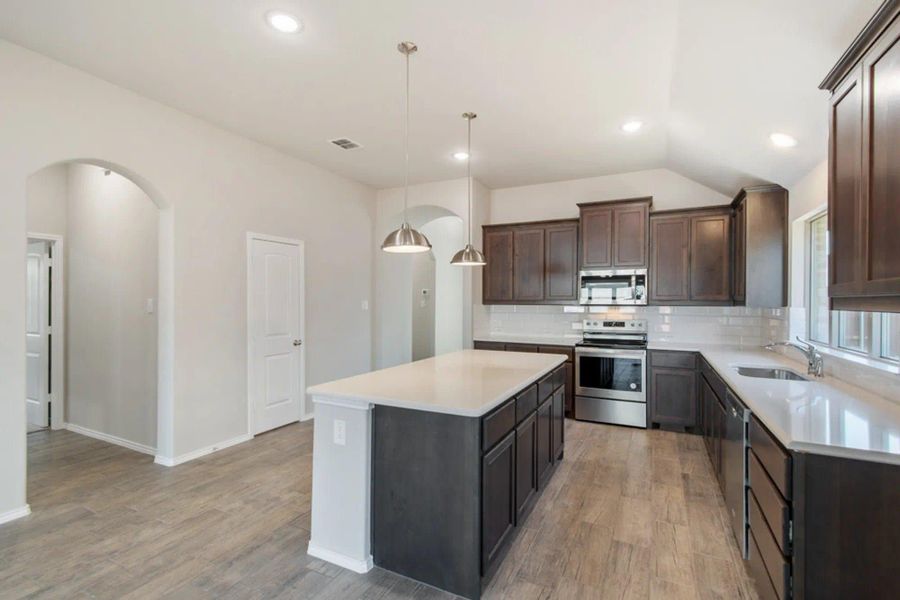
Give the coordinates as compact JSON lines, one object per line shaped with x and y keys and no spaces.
{"x":876,"y":347}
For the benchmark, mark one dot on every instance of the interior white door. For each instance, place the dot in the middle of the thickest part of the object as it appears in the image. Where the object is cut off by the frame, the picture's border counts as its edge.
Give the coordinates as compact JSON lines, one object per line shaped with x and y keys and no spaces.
{"x":276,"y":333}
{"x":37,"y":329}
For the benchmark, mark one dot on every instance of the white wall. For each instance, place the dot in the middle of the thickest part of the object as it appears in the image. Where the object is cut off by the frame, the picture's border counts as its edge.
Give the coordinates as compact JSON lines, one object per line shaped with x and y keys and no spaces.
{"x":214,"y":186}
{"x":559,"y":200}
{"x":111,"y":272}
{"x":422,"y":291}
{"x":48,"y":199}
{"x":428,"y":202}
{"x":807,"y":196}
{"x":447,"y":236}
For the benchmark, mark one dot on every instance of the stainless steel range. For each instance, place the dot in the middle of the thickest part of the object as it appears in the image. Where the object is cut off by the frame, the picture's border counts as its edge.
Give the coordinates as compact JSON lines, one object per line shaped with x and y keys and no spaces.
{"x":611,"y":372}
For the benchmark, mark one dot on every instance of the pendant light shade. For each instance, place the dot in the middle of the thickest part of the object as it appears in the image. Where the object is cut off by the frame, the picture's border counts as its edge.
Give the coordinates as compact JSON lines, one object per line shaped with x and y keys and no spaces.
{"x":469,"y":256}
{"x":406,"y":240}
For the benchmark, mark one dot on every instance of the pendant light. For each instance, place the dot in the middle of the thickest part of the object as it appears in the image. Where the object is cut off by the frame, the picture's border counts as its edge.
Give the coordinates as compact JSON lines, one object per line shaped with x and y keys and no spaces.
{"x":406,"y":240}
{"x":469,"y":256}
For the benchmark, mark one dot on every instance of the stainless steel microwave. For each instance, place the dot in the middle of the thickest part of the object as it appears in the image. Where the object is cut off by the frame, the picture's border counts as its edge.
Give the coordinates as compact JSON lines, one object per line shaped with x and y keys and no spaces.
{"x":614,"y":286}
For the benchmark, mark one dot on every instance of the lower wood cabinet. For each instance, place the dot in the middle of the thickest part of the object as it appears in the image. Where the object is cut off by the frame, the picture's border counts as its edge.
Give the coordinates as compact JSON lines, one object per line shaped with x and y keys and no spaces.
{"x":498,"y":498}
{"x":526,"y":465}
{"x":558,"y":420}
{"x":544,"y":441}
{"x":672,"y":396}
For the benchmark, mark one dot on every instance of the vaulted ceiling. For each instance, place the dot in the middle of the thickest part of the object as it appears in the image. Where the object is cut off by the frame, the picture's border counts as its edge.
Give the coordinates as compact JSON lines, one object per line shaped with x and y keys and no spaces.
{"x":552,"y":82}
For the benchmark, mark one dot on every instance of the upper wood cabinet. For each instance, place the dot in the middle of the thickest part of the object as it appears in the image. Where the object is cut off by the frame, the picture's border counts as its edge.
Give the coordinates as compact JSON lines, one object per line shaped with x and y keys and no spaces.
{"x":531,"y":263}
{"x":690,"y":256}
{"x":761,"y":247}
{"x":614,"y":234}
{"x":863,"y":180}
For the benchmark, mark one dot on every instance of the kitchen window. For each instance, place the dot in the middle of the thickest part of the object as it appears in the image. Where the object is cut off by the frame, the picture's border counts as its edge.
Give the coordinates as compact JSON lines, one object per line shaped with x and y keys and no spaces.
{"x":872,"y":335}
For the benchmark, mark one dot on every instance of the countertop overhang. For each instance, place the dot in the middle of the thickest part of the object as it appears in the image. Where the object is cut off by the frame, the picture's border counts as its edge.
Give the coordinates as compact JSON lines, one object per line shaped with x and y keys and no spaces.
{"x":467,"y":383}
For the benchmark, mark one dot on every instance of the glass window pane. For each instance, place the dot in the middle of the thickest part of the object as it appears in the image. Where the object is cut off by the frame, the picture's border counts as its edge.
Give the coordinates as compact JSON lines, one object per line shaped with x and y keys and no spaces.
{"x":890,"y":336}
{"x":818,"y":281}
{"x":855,"y":330}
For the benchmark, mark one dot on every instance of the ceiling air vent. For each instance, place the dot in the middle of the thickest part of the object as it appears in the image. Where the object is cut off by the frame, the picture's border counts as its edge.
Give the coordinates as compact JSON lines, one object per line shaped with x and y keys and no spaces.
{"x":345,"y":143}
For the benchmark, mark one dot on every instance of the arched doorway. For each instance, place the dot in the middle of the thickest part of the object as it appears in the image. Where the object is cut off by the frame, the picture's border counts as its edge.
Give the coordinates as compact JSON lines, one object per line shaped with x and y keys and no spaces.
{"x":110,"y":343}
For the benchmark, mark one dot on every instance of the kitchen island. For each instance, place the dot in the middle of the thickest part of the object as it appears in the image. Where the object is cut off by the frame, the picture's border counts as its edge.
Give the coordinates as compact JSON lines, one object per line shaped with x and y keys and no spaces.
{"x":427,"y":469}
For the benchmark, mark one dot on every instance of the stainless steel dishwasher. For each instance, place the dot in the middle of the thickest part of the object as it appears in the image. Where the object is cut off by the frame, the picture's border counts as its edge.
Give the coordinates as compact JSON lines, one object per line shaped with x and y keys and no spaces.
{"x":734,"y":467}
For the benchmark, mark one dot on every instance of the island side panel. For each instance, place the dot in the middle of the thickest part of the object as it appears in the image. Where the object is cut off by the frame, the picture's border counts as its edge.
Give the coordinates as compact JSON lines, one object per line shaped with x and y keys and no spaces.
{"x":426,"y":497}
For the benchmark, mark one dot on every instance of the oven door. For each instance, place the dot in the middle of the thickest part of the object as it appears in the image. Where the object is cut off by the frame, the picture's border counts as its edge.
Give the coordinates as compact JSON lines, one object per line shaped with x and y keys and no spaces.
{"x":611,"y":373}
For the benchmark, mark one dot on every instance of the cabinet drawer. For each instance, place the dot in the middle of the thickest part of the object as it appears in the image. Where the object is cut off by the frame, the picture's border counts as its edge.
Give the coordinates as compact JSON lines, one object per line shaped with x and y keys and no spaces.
{"x":758,"y":572}
{"x":775,"y":510}
{"x":775,"y":460}
{"x":559,"y":376}
{"x":569,"y":352}
{"x":490,"y":346}
{"x":673,"y":360}
{"x":521,"y":348}
{"x":526,"y":402}
{"x":497,"y":424}
{"x":546,"y":386}
{"x":776,"y":565}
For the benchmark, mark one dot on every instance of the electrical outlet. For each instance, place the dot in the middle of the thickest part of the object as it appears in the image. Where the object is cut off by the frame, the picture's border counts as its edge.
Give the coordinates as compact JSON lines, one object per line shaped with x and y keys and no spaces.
{"x":149,"y":307}
{"x":365,"y":305}
{"x":340,"y":432}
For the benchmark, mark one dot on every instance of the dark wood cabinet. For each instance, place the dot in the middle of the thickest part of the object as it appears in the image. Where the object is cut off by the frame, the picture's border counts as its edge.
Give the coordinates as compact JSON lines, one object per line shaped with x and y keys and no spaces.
{"x":614,"y":234}
{"x":498,"y":500}
{"x":497,"y":274}
{"x":528,"y":264}
{"x":761,"y":246}
{"x":531,"y":263}
{"x":544,"y":441}
{"x":558,"y":418}
{"x":670,"y":239}
{"x":863,"y":185}
{"x":690,"y":256}
{"x":561,"y":262}
{"x":673,"y":397}
{"x":526,"y":465}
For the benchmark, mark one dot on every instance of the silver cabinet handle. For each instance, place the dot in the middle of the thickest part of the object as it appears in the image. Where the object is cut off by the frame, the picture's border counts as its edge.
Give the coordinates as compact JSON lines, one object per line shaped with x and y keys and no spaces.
{"x":298,"y":342}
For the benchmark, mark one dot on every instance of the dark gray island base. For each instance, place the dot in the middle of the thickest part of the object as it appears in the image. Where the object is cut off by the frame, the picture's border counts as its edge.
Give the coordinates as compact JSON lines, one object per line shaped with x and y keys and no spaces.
{"x":449,"y":491}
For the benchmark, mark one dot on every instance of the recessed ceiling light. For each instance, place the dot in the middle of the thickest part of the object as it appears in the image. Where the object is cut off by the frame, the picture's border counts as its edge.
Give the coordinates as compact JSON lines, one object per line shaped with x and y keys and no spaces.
{"x":283,"y":22}
{"x":783,"y":140}
{"x":632,"y":126}
{"x":460,"y":155}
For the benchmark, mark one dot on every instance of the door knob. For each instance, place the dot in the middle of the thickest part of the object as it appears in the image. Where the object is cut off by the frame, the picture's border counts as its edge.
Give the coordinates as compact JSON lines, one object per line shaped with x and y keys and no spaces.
{"x":298,"y":342}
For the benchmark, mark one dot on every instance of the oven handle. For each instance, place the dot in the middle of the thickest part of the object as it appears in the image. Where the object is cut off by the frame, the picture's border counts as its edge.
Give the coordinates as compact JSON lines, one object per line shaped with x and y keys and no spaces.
{"x":640,"y":354}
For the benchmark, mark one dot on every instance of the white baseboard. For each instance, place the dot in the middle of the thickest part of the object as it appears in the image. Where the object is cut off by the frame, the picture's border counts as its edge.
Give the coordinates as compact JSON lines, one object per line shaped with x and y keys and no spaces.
{"x":112,"y":439}
{"x":169,"y":461}
{"x":306,"y":417}
{"x":342,"y":560}
{"x":16,"y":513}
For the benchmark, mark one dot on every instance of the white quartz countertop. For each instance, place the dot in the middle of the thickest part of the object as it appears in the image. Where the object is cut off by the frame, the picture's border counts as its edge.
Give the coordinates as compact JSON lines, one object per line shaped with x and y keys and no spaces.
{"x":545,"y":340}
{"x":822,"y":416}
{"x":468,"y":383}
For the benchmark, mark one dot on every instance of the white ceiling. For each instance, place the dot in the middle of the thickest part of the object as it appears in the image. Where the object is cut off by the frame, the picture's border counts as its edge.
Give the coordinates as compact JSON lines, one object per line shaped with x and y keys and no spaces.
{"x":551,"y":81}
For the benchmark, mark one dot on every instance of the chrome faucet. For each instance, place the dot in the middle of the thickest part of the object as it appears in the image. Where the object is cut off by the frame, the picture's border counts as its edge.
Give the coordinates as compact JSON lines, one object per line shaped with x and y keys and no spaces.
{"x":816,"y":364}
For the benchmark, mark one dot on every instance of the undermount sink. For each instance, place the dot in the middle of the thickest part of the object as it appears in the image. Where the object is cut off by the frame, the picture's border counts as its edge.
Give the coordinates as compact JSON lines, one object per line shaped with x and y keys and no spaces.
{"x":770,"y":373}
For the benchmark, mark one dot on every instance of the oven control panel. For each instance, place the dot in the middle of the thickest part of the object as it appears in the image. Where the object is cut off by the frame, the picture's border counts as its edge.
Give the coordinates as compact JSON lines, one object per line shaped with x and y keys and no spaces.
{"x":623,"y":325}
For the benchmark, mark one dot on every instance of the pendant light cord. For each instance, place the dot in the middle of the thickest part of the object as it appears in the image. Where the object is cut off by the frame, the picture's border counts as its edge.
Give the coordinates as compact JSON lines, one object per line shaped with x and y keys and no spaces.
{"x":406,"y":144}
{"x":469,"y":178}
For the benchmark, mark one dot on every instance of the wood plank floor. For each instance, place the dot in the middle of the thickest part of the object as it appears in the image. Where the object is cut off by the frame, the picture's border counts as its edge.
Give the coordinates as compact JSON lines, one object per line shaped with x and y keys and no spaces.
{"x":629,"y":514}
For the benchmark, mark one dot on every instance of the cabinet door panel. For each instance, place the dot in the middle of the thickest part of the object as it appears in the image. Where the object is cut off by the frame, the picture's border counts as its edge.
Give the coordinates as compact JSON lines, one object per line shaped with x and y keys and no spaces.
{"x":498,"y":516}
{"x":882,"y":158}
{"x":526,"y":465}
{"x":558,"y":416}
{"x":669,"y":239}
{"x":710,"y":258}
{"x":596,"y":237}
{"x":544,"y":441}
{"x":740,"y":253}
{"x":673,"y":396}
{"x":844,"y":222}
{"x":630,"y":236}
{"x":561,"y":263}
{"x":497,"y":275}
{"x":528,"y":264}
